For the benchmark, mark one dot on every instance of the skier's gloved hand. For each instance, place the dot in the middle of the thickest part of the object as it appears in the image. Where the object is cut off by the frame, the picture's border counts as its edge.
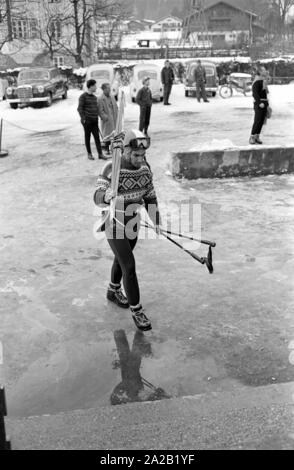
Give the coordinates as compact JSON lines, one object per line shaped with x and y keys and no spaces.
{"x":262,"y":105}
{"x":109,"y":195}
{"x":118,"y":142}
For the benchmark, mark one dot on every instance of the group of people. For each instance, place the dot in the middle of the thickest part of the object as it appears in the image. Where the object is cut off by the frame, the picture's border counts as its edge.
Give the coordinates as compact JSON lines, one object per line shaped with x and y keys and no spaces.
{"x":144,"y":95}
{"x":90,"y":109}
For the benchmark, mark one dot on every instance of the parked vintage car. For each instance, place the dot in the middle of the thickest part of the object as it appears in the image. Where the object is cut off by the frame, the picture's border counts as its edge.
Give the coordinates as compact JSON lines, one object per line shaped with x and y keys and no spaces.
{"x":37,"y":85}
{"x":142,"y":71}
{"x":102,"y":73}
{"x":212,"y":80}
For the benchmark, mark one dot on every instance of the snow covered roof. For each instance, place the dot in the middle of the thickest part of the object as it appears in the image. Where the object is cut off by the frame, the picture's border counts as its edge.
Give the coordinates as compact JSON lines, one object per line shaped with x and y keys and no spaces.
{"x":148,"y":21}
{"x":167,"y":18}
{"x":80,"y":72}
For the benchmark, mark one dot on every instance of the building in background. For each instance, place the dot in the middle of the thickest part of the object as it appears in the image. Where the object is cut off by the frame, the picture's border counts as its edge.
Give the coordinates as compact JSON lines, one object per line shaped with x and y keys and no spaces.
{"x":168,"y":24}
{"x":228,"y":25}
{"x":42,"y":32}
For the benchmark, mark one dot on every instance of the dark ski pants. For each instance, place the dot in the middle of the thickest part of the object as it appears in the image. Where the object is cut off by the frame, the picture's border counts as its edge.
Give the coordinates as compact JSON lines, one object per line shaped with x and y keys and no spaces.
{"x":200,"y":91}
{"x":166,"y":92}
{"x":259,"y":119}
{"x":124,"y":268}
{"x":91,"y":128}
{"x":145,"y":114}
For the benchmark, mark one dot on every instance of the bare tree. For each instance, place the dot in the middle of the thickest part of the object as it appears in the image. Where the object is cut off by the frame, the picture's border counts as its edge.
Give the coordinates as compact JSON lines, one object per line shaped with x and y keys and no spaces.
{"x":109,"y":33}
{"x":80,"y":18}
{"x":5,"y":23}
{"x":277,"y":11}
{"x":49,"y":26}
{"x":284,"y":8}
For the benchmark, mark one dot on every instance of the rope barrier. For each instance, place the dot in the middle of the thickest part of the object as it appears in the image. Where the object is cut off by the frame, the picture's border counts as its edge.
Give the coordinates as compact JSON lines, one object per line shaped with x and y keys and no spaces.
{"x":38,"y":131}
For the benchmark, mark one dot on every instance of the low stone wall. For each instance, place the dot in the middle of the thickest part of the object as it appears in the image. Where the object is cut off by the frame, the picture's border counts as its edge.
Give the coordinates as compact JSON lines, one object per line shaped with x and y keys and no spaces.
{"x":241,"y":161}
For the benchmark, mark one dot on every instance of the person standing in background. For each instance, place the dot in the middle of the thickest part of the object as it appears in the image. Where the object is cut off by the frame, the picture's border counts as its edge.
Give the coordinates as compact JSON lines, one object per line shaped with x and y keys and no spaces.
{"x":88,"y":110}
{"x":144,"y":100}
{"x":200,"y":79}
{"x":167,"y":78}
{"x":261,"y":104}
{"x":108,"y":112}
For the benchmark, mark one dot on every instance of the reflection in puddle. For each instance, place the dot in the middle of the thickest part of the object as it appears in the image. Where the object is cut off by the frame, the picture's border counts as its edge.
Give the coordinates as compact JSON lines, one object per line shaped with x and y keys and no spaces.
{"x":133,"y":387}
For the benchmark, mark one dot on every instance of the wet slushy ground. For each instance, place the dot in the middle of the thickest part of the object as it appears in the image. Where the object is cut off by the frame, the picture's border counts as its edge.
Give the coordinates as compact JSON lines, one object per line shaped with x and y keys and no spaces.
{"x":65,"y":347}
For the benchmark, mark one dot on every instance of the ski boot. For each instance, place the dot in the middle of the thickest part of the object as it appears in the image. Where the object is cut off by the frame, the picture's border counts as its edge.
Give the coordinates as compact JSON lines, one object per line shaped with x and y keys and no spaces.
{"x":115,"y":295}
{"x":252,"y":140}
{"x":140,"y":319}
{"x":257,"y":140}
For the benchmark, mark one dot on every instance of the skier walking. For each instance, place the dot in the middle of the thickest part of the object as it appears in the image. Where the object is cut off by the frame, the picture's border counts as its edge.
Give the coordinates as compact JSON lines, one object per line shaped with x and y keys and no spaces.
{"x":135,"y":188}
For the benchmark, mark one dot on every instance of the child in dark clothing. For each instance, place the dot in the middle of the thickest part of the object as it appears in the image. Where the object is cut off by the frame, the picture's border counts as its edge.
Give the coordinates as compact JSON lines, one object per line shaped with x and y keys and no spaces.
{"x":144,"y":100}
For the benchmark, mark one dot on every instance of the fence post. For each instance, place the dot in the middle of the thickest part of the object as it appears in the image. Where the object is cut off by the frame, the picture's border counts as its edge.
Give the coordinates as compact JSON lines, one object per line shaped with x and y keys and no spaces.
{"x":3,"y":153}
{"x":4,"y":442}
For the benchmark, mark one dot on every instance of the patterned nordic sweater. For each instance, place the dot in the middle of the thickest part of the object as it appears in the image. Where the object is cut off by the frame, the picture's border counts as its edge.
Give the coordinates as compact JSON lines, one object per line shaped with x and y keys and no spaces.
{"x":135,"y":187}
{"x":260,"y":92}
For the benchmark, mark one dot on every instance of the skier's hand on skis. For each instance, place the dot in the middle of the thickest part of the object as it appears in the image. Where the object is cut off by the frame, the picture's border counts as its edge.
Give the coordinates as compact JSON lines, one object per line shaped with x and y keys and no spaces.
{"x":109,"y":195}
{"x":118,"y":141}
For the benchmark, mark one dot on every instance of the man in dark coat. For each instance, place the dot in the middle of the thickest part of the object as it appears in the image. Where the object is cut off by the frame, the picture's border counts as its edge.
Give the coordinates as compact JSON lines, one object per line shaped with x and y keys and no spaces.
{"x":89,"y":112}
{"x":144,"y":100}
{"x":261,"y":104}
{"x":200,"y":79}
{"x":167,"y":78}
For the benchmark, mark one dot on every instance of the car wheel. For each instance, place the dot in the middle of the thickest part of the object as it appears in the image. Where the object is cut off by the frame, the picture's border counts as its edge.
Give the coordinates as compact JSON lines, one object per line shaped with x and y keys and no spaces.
{"x":64,"y":96}
{"x":133,"y":100}
{"x":214,"y":94}
{"x":49,"y":102}
{"x":186,"y":93}
{"x":161,"y":99}
{"x":14,"y":105}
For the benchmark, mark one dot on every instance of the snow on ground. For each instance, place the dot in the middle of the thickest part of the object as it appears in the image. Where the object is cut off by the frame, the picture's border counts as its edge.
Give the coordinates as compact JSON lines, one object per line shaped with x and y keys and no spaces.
{"x":55,"y":274}
{"x":219,"y":124}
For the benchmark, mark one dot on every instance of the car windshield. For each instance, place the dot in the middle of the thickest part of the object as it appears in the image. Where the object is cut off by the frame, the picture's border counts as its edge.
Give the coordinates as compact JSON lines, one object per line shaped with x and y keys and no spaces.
{"x":209,"y":70}
{"x":33,"y":75}
{"x":100,"y":75}
{"x":147,"y":73}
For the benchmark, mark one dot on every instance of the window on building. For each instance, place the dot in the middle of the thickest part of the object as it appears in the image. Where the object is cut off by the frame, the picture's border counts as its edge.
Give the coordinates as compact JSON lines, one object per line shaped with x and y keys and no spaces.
{"x":58,"y":61}
{"x":217,"y":23}
{"x":33,"y":26}
{"x":20,"y":29}
{"x":25,"y":29}
{"x":55,"y":29}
